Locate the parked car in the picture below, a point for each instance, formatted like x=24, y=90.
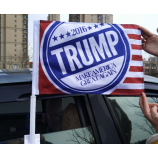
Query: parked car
x=72, y=118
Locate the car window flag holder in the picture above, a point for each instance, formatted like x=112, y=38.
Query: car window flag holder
x=34, y=138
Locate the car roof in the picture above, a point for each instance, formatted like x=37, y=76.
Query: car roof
x=150, y=79
x=18, y=76
x=25, y=75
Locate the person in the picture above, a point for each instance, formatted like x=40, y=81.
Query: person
x=53, y=109
x=150, y=110
x=149, y=41
x=70, y=119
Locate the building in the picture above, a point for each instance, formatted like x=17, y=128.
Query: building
x=153, y=59
x=91, y=18
x=151, y=66
x=13, y=41
x=53, y=17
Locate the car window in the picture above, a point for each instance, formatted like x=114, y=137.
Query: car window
x=13, y=119
x=18, y=107
x=57, y=122
x=135, y=127
x=74, y=136
x=68, y=125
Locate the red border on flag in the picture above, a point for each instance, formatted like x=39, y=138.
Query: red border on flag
x=44, y=84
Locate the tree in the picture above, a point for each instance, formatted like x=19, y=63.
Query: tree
x=24, y=57
x=85, y=135
x=151, y=130
x=9, y=61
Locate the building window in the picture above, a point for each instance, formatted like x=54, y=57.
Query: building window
x=15, y=54
x=24, y=31
x=24, y=17
x=15, y=66
x=24, y=50
x=24, y=36
x=24, y=26
x=15, y=25
x=99, y=17
x=98, y=21
x=91, y=16
x=24, y=41
x=146, y=65
x=15, y=50
x=15, y=16
x=91, y=19
x=15, y=30
x=15, y=45
x=15, y=20
x=24, y=45
x=15, y=59
x=15, y=35
x=15, y=40
x=24, y=21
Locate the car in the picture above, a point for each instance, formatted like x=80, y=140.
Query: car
x=72, y=118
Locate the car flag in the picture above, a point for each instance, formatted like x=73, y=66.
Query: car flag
x=98, y=58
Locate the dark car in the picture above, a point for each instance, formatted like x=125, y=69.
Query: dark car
x=72, y=118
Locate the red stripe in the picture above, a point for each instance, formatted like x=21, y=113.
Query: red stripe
x=127, y=92
x=137, y=57
x=129, y=26
x=133, y=80
x=134, y=36
x=136, y=68
x=134, y=46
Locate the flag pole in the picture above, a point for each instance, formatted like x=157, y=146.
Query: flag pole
x=32, y=118
x=33, y=136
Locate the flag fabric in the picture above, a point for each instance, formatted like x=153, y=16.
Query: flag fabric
x=95, y=58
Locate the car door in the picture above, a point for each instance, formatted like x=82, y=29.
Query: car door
x=131, y=124
x=60, y=119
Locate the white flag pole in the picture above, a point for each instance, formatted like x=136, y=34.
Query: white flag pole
x=34, y=138
x=32, y=118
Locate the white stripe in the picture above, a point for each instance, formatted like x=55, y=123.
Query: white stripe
x=35, y=75
x=136, y=63
x=130, y=86
x=133, y=41
x=132, y=31
x=135, y=74
x=136, y=52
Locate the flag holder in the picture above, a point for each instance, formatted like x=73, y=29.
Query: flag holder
x=34, y=138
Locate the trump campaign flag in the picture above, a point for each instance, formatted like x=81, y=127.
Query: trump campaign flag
x=94, y=58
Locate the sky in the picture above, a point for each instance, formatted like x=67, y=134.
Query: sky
x=32, y=17
x=149, y=21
